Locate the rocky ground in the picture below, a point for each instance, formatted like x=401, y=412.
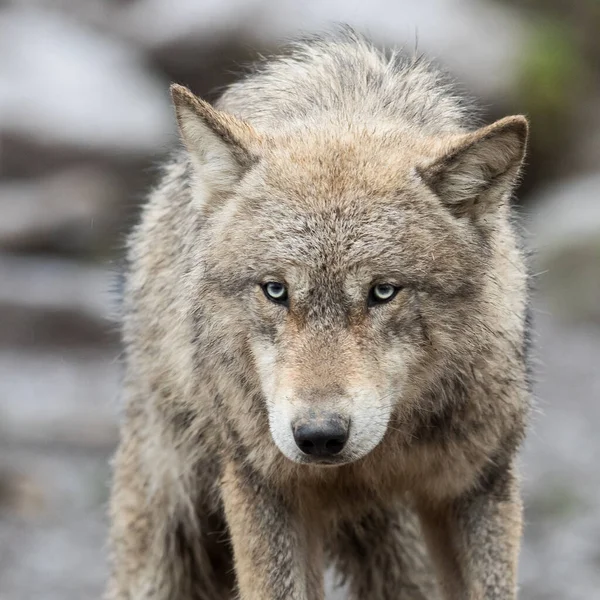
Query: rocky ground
x=84, y=114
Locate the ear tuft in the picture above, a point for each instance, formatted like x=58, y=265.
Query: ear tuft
x=478, y=170
x=219, y=144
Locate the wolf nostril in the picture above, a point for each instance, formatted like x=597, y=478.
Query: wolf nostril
x=305, y=445
x=335, y=445
x=321, y=437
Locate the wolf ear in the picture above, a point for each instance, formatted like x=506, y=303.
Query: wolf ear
x=218, y=143
x=479, y=169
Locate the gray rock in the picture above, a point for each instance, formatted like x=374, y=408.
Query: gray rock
x=54, y=552
x=59, y=372
x=565, y=224
x=56, y=303
x=560, y=465
x=64, y=85
x=64, y=399
x=76, y=211
x=479, y=41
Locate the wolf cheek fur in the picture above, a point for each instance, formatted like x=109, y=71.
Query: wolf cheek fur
x=278, y=416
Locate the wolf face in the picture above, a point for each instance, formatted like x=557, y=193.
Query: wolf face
x=349, y=257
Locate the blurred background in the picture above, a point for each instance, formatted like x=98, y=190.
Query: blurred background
x=85, y=119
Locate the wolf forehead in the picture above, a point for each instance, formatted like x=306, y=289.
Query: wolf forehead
x=344, y=205
x=342, y=163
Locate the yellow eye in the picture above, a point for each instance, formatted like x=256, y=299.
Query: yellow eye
x=382, y=293
x=275, y=292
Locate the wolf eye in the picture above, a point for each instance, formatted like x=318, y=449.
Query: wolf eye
x=275, y=292
x=382, y=293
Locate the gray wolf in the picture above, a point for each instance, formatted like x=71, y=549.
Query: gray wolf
x=325, y=330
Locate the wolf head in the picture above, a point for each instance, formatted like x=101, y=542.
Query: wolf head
x=356, y=259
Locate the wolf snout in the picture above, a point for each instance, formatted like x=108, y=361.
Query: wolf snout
x=321, y=436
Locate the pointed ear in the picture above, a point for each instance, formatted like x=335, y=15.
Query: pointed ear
x=479, y=169
x=218, y=143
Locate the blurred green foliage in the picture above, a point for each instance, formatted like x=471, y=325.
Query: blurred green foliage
x=558, y=79
x=551, y=80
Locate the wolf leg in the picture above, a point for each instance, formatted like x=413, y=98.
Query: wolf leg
x=382, y=556
x=475, y=541
x=276, y=556
x=159, y=552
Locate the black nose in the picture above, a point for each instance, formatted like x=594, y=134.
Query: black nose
x=321, y=437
